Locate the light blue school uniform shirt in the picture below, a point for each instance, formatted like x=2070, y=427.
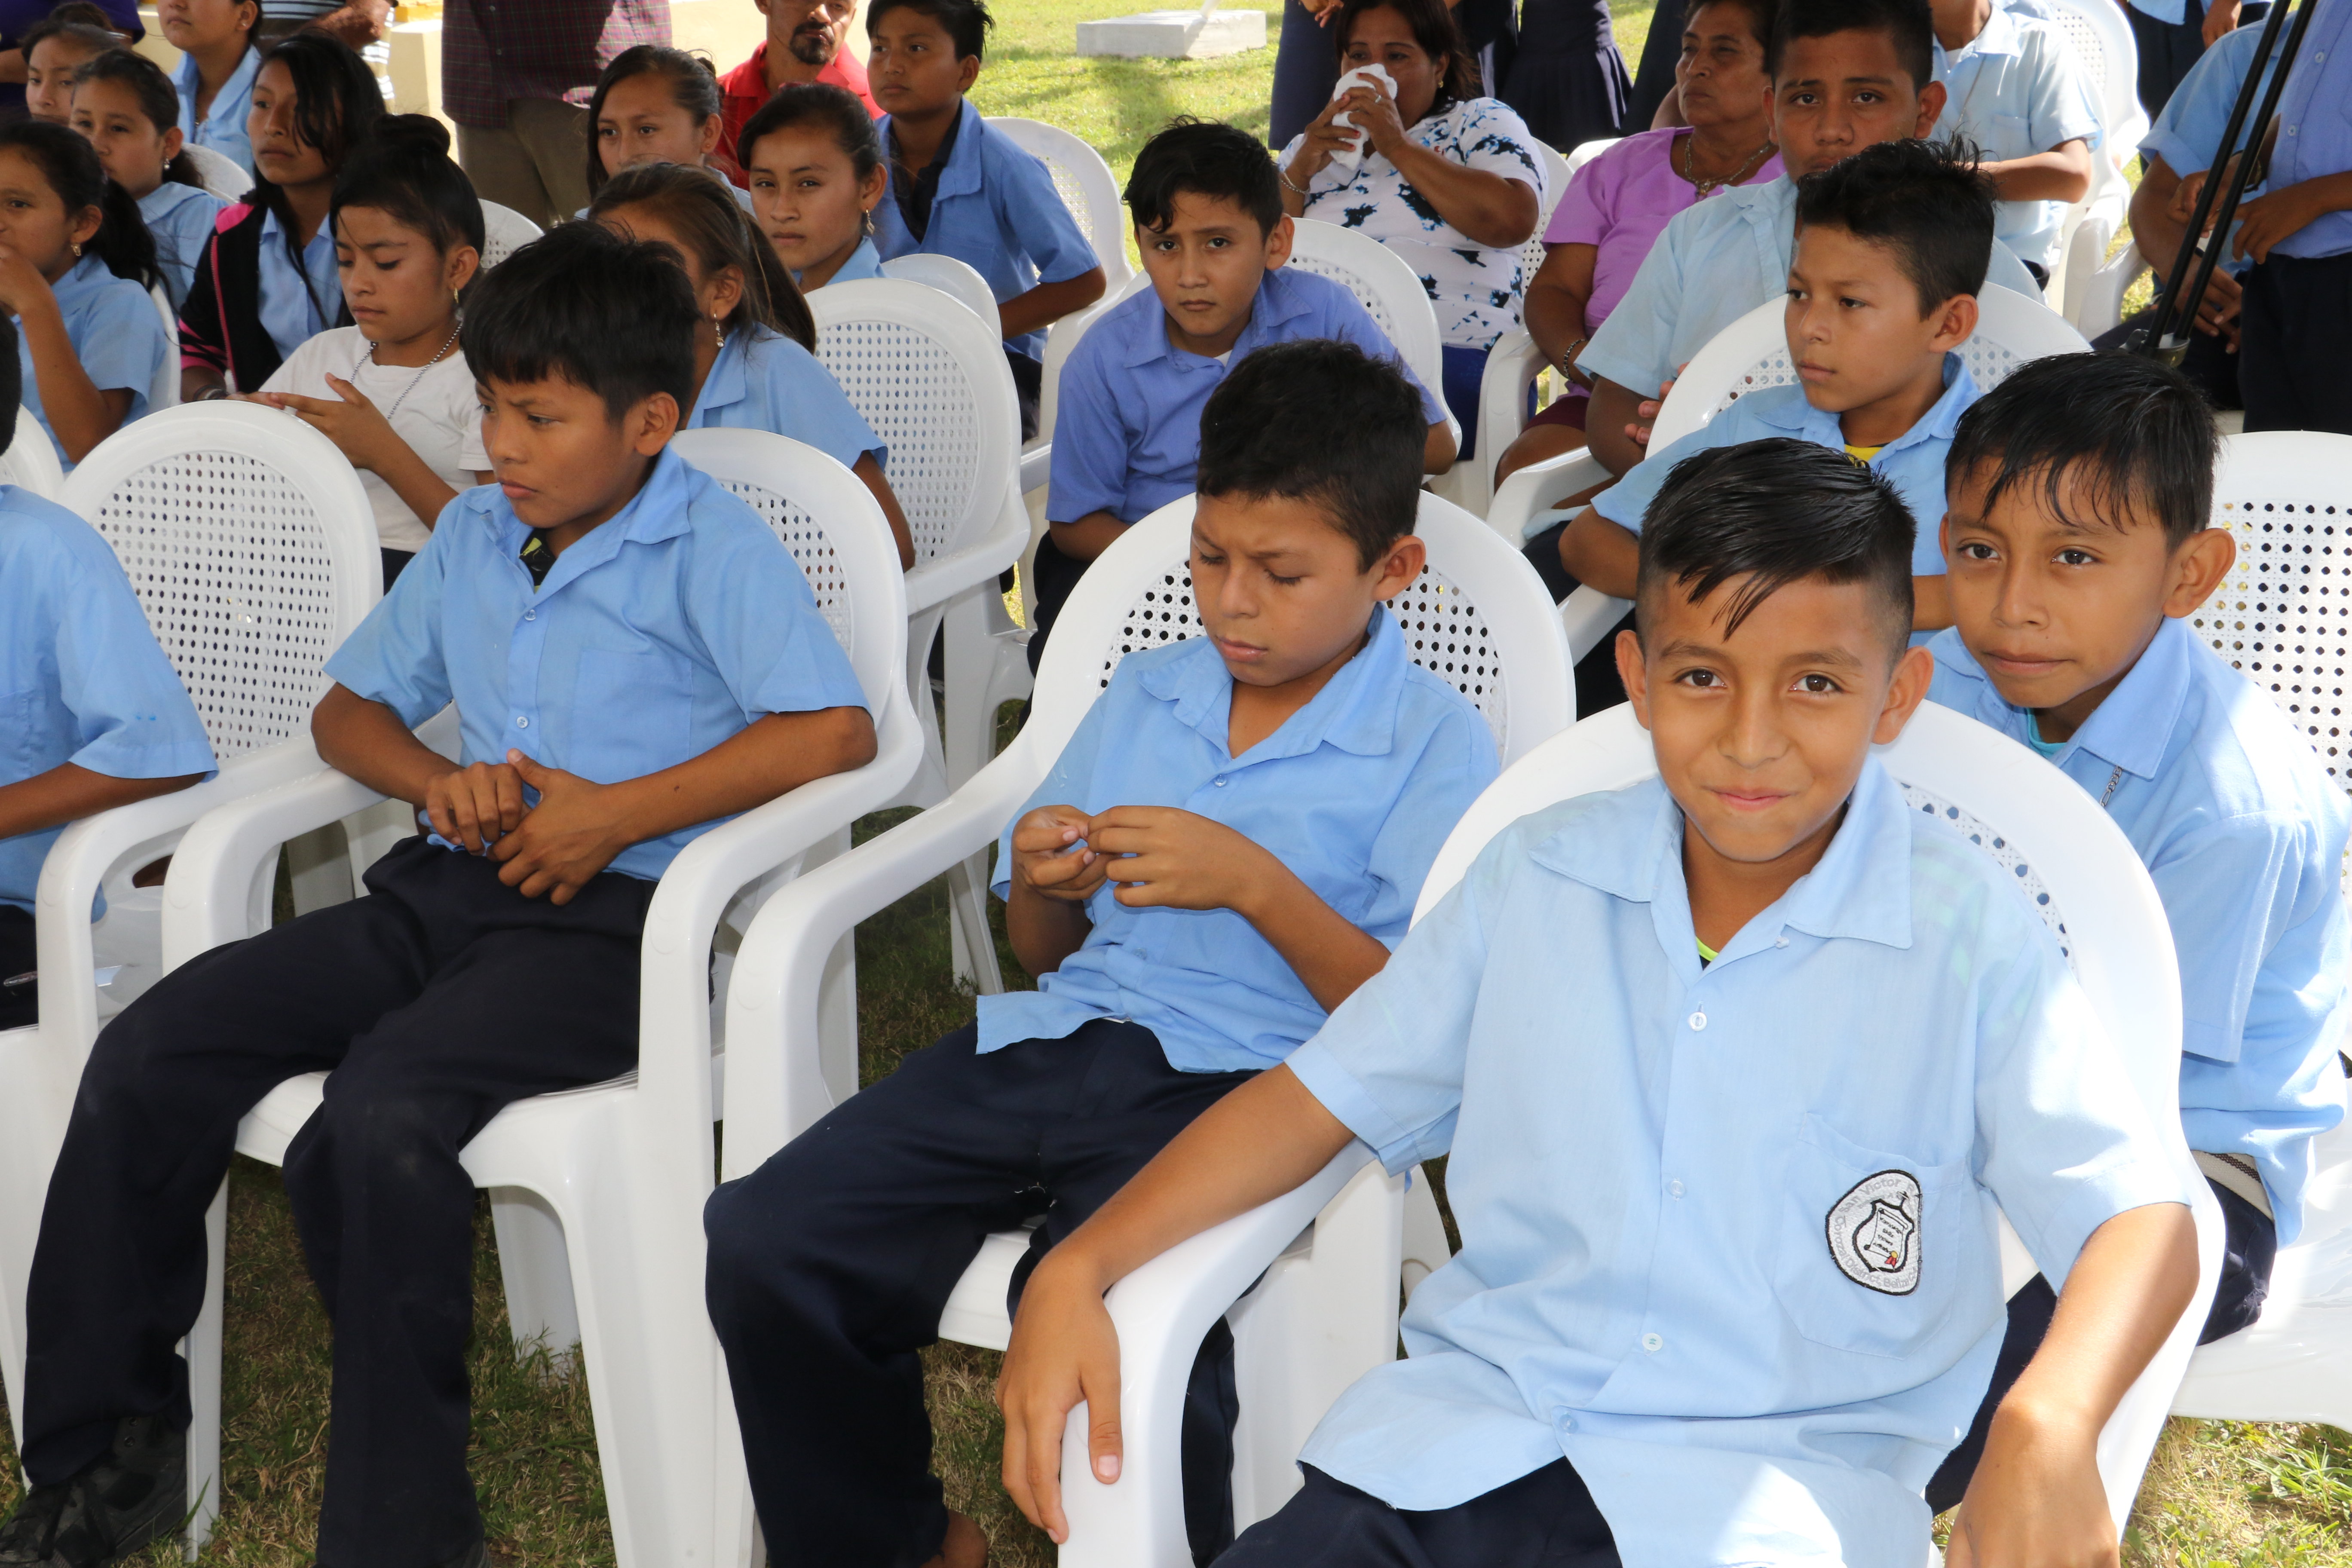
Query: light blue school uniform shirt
x=997, y=212
x=863, y=262
x=294, y=309
x=1727, y=1232
x=1913, y=462
x=1713, y=263
x=1129, y=433
x=2314, y=120
x=180, y=217
x=762, y=380
x=2186, y=132
x=2014, y=89
x=2244, y=835
x=223, y=130
x=1355, y=794
x=116, y=332
x=81, y=680
x=666, y=630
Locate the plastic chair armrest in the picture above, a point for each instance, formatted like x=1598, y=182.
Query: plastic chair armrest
x=1036, y=467
x=1586, y=617
x=1538, y=487
x=1512, y=367
x=942, y=578
x=2102, y=307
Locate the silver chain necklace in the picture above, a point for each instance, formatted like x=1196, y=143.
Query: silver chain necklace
x=446, y=343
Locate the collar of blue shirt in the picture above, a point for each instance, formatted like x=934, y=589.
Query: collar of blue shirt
x=2133, y=728
x=84, y=279
x=960, y=175
x=2000, y=37
x=1802, y=419
x=167, y=198
x=232, y=91
x=1356, y=711
x=1767, y=202
x=1277, y=302
x=657, y=511
x=1861, y=887
x=724, y=386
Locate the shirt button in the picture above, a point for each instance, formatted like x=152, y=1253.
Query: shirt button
x=1653, y=1344
x=1780, y=942
x=1220, y=781
x=1674, y=1189
x=521, y=723
x=1698, y=1020
x=1564, y=1420
x=530, y=615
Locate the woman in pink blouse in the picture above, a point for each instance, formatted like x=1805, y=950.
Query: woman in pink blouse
x=1617, y=203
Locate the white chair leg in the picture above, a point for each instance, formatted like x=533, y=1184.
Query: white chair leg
x=1426, y=1250
x=837, y=1018
x=202, y=1350
x=537, y=1271
x=972, y=944
x=930, y=785
x=372, y=833
x=319, y=865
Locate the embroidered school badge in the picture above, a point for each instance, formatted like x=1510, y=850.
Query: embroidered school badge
x=1873, y=1233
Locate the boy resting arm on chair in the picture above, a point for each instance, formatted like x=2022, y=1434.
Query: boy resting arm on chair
x=1734, y=1066
x=1229, y=843
x=1209, y=221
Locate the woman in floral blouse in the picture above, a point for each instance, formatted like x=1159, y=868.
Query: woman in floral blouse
x=1450, y=181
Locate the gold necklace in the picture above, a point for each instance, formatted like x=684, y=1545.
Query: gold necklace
x=1708, y=187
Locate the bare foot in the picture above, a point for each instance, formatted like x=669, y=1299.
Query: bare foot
x=965, y=1546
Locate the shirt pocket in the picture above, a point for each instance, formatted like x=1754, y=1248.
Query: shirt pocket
x=23, y=736
x=631, y=713
x=2010, y=136
x=1876, y=1249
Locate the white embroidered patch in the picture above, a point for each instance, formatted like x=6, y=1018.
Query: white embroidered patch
x=1873, y=1233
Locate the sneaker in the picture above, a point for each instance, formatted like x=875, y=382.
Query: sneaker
x=29, y=1537
x=137, y=1493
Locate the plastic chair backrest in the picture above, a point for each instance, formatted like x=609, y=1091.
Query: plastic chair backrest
x=1583, y=153
x=932, y=382
x=956, y=279
x=794, y=488
x=31, y=460
x=1086, y=185
x=2041, y=829
x=1387, y=286
x=1477, y=617
x=2102, y=39
x=504, y=232
x=1752, y=353
x=223, y=175
x=253, y=551
x=2280, y=615
x=1556, y=177
x=163, y=391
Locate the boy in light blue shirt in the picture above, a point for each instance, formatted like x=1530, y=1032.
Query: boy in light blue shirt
x=1845, y=74
x=1734, y=1067
x=1882, y=295
x=1230, y=843
x=958, y=188
x=2015, y=91
x=634, y=657
x=1214, y=238
x=2081, y=491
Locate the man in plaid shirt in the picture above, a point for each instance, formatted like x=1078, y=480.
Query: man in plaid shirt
x=517, y=74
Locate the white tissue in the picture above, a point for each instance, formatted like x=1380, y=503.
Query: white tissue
x=1373, y=76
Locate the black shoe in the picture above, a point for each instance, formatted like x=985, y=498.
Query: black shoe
x=135, y=1495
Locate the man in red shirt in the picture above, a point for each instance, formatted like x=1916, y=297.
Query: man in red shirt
x=807, y=41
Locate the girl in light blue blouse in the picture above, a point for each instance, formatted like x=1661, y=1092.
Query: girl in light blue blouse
x=753, y=366
x=815, y=167
x=129, y=113
x=76, y=265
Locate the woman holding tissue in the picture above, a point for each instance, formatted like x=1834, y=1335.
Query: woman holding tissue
x=1407, y=153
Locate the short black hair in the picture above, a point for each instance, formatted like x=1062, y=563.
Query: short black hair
x=1204, y=158
x=404, y=171
x=1923, y=201
x=1359, y=458
x=965, y=21
x=1776, y=511
x=1906, y=23
x=612, y=315
x=11, y=379
x=2132, y=436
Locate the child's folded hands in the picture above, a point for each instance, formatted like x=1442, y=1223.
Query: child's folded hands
x=475, y=805
x=1051, y=857
x=1162, y=856
x=569, y=835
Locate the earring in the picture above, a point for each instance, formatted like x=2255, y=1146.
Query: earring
x=76, y=249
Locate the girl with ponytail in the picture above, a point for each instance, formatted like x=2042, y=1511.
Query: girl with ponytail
x=128, y=109
x=76, y=264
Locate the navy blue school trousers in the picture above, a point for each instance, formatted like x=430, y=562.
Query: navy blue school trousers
x=829, y=1266
x=2297, y=333
x=433, y=1002
x=1546, y=1519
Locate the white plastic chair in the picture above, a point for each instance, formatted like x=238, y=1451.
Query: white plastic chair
x=2102, y=39
x=252, y=549
x=1326, y=1310
x=954, y=278
x=1515, y=361
x=1388, y=288
x=163, y=391
x=504, y=232
x=31, y=461
x=599, y=1190
x=1583, y=153
x=1086, y=185
x=223, y=175
x=2285, y=496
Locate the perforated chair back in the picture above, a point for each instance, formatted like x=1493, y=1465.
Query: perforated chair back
x=1752, y=353
x=957, y=279
x=163, y=391
x=253, y=551
x=504, y=232
x=31, y=460
x=1086, y=185
x=932, y=382
x=1387, y=286
x=1556, y=178
x=2102, y=39
x=223, y=175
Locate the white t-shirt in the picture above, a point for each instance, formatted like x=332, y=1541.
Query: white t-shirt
x=437, y=417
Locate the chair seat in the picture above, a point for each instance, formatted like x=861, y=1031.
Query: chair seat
x=975, y=1312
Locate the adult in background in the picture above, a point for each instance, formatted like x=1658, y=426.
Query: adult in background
x=1448, y=180
x=358, y=23
x=1568, y=81
x=808, y=40
x=517, y=74
x=17, y=19
x=2172, y=35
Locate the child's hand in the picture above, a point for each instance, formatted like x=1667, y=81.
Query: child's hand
x=356, y=426
x=2277, y=216
x=1064, y=1351
x=1161, y=857
x=1647, y=411
x=1048, y=859
x=2036, y=1502
x=570, y=836
x=474, y=807
x=21, y=283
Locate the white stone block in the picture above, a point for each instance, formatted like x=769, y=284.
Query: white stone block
x=1174, y=35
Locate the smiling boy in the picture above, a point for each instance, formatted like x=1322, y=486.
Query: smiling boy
x=1733, y=1066
x=1882, y=291
x=1227, y=847
x=1210, y=225
x=634, y=656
